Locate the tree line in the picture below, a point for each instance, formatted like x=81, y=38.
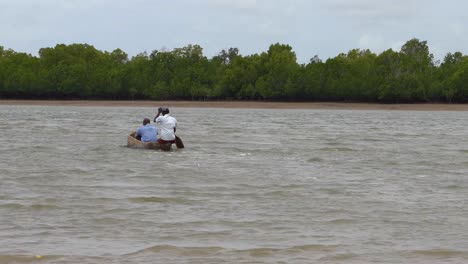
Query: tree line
x=80, y=71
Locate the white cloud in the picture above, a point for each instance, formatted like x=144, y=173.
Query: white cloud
x=458, y=29
x=375, y=8
x=396, y=45
x=373, y=43
x=242, y=5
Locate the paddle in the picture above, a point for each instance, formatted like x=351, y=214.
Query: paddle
x=178, y=142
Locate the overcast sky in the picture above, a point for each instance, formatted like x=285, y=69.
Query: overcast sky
x=312, y=27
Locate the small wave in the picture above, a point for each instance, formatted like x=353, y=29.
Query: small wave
x=277, y=193
x=12, y=206
x=184, y=251
x=288, y=186
x=331, y=191
x=256, y=186
x=79, y=171
x=17, y=259
x=108, y=220
x=295, y=250
x=314, y=247
x=336, y=149
x=340, y=257
x=440, y=253
x=44, y=206
x=26, y=259
x=342, y=221
x=260, y=252
x=41, y=147
x=33, y=206
x=154, y=199
x=315, y=160
x=374, y=140
x=402, y=222
x=454, y=187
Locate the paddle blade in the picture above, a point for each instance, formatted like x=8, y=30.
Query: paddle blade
x=178, y=142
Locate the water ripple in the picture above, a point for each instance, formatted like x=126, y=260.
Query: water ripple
x=330, y=187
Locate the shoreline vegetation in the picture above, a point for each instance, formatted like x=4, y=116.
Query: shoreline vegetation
x=82, y=72
x=242, y=104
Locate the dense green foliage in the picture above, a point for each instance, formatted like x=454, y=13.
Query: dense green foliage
x=80, y=71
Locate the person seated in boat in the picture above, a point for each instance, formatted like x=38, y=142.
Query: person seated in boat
x=147, y=132
x=167, y=125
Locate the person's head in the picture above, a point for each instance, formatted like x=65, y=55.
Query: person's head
x=164, y=110
x=146, y=121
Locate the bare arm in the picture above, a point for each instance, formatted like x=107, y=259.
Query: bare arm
x=159, y=112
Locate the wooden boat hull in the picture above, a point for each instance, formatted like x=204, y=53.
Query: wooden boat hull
x=132, y=142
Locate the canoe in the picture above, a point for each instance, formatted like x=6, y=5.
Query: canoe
x=132, y=142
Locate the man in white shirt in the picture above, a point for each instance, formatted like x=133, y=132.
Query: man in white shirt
x=167, y=124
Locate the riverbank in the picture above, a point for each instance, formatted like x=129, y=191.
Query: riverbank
x=245, y=104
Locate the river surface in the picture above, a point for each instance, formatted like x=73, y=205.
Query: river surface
x=251, y=186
